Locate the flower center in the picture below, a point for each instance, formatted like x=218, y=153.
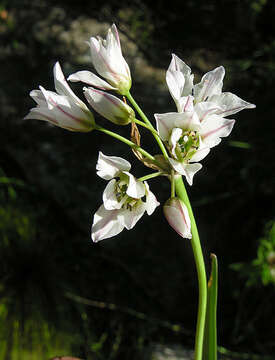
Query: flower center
x=128, y=202
x=187, y=145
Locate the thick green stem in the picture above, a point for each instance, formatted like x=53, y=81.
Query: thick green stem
x=200, y=266
x=126, y=141
x=147, y=121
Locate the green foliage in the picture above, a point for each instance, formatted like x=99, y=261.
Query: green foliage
x=261, y=269
x=210, y=350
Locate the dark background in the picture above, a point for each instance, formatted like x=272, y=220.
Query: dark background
x=49, y=189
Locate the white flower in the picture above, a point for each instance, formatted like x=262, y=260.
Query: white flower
x=109, y=62
x=63, y=109
x=180, y=83
x=123, y=203
x=184, y=135
x=109, y=106
x=200, y=122
x=177, y=216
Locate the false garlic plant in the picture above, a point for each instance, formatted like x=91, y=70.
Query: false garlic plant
x=185, y=137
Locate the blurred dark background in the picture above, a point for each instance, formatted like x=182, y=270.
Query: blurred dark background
x=62, y=294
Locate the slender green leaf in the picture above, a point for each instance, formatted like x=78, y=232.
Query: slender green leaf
x=210, y=333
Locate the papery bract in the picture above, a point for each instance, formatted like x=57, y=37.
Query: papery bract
x=123, y=203
x=109, y=106
x=109, y=62
x=177, y=216
x=63, y=109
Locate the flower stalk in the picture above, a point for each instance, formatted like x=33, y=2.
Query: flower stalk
x=150, y=176
x=200, y=266
x=126, y=141
x=148, y=127
x=147, y=121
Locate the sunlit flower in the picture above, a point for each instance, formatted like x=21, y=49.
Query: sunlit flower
x=180, y=83
x=200, y=122
x=177, y=216
x=189, y=136
x=123, y=203
x=109, y=106
x=109, y=62
x=63, y=108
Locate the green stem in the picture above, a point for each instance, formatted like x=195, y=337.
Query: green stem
x=200, y=266
x=126, y=141
x=147, y=121
x=173, y=191
x=141, y=123
x=150, y=176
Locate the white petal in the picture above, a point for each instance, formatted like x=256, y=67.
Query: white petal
x=175, y=81
x=187, y=121
x=65, y=112
x=165, y=124
x=89, y=78
x=62, y=86
x=178, y=166
x=109, y=196
x=211, y=84
x=230, y=104
x=187, y=170
x=53, y=99
x=191, y=170
x=109, y=167
x=38, y=97
x=114, y=32
x=185, y=103
x=179, y=66
x=167, y=121
x=131, y=217
x=213, y=128
x=177, y=216
x=107, y=223
x=206, y=108
x=200, y=154
x=99, y=57
x=136, y=188
x=117, y=60
x=174, y=138
x=109, y=106
x=179, y=81
x=151, y=201
x=41, y=114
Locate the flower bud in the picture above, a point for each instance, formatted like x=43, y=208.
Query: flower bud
x=109, y=63
x=176, y=214
x=109, y=106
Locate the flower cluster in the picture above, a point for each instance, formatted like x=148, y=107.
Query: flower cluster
x=185, y=136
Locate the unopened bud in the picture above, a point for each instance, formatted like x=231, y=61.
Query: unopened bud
x=109, y=106
x=177, y=216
